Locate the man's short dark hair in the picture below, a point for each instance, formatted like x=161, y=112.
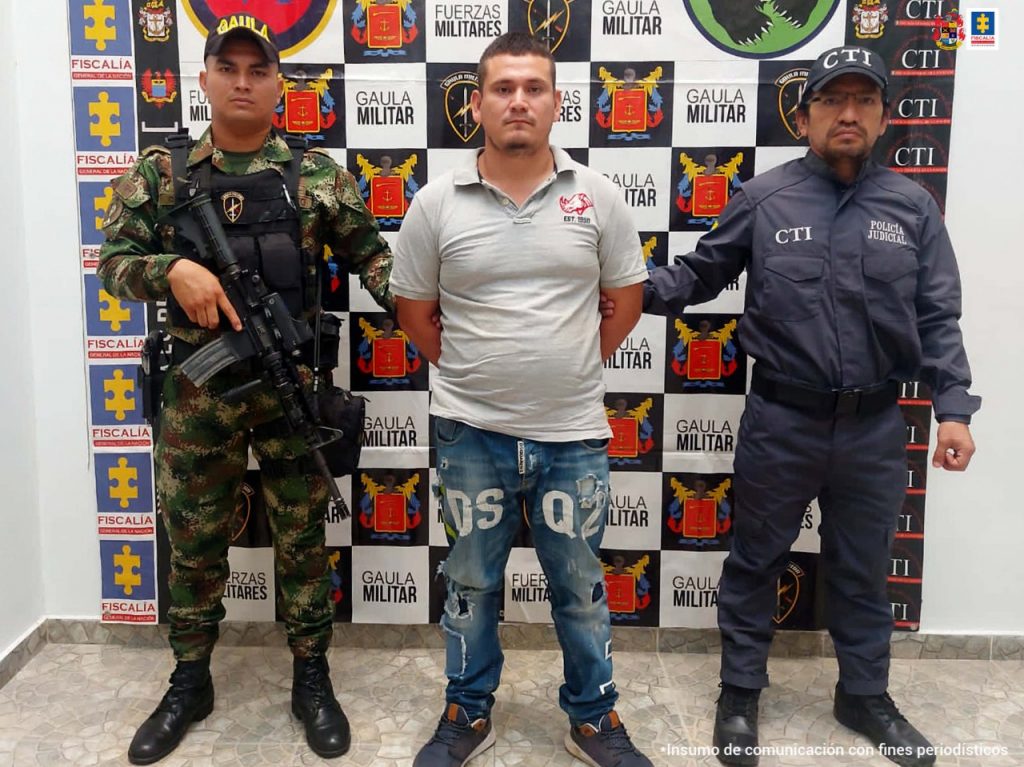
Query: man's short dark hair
x=514, y=44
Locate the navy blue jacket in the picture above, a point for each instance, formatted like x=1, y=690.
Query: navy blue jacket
x=846, y=285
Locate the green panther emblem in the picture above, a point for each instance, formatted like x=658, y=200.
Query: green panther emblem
x=760, y=28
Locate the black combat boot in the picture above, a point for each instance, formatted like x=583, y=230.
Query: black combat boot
x=736, y=726
x=314, y=704
x=877, y=717
x=190, y=699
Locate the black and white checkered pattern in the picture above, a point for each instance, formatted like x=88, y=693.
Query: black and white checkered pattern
x=658, y=96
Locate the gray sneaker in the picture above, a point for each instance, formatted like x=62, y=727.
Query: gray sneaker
x=456, y=740
x=605, y=744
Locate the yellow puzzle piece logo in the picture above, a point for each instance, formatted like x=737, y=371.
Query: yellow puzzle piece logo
x=101, y=204
x=113, y=311
x=119, y=478
x=104, y=110
x=100, y=31
x=118, y=388
x=125, y=564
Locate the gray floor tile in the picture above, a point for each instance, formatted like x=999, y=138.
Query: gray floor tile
x=80, y=704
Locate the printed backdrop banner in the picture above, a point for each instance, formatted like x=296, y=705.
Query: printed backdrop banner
x=678, y=102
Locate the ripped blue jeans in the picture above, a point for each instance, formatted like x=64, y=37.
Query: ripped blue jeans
x=486, y=480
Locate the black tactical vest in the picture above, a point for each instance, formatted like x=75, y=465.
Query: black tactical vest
x=260, y=219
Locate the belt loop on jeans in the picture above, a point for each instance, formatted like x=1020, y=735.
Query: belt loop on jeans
x=864, y=400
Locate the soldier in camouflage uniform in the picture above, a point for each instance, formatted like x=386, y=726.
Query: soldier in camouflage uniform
x=202, y=443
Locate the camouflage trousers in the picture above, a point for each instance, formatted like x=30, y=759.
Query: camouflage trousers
x=201, y=457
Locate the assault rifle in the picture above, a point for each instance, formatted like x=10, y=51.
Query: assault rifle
x=269, y=333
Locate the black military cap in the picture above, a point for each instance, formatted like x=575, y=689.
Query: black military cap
x=242, y=23
x=845, y=60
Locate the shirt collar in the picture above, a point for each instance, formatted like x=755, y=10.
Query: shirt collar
x=468, y=173
x=274, y=148
x=819, y=167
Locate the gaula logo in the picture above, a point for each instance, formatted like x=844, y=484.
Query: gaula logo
x=387, y=189
x=390, y=510
x=386, y=353
x=788, y=592
x=647, y=248
x=632, y=432
x=296, y=23
x=704, y=190
x=336, y=590
x=384, y=27
x=703, y=357
x=307, y=106
x=458, y=87
x=549, y=21
x=629, y=107
x=244, y=21
x=232, y=203
x=699, y=515
x=243, y=511
x=789, y=85
x=760, y=28
x=629, y=590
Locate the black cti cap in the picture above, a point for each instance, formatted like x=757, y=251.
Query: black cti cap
x=845, y=60
x=242, y=23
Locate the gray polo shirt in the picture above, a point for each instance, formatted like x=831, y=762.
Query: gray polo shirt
x=518, y=289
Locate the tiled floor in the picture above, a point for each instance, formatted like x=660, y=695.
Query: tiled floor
x=80, y=704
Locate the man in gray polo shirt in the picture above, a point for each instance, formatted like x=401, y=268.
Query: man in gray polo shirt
x=513, y=248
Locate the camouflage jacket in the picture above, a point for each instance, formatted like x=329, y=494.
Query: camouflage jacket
x=138, y=251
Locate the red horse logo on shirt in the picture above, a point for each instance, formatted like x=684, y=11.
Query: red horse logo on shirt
x=577, y=204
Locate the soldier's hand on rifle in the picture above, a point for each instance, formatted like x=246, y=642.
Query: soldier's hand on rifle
x=198, y=291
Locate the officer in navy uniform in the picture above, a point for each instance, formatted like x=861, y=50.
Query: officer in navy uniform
x=852, y=286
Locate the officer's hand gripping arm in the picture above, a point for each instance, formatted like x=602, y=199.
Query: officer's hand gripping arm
x=720, y=257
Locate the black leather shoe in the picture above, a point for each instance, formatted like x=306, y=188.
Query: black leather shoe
x=736, y=726
x=190, y=699
x=314, y=704
x=877, y=717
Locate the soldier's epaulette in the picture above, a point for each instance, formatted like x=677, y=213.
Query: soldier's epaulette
x=134, y=186
x=319, y=158
x=155, y=149
x=158, y=158
x=317, y=161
